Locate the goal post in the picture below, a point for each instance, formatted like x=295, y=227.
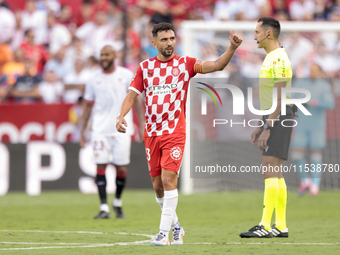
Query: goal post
x=196, y=36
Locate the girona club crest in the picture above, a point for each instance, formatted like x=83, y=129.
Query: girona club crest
x=176, y=153
x=175, y=71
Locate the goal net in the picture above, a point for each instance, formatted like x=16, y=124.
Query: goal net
x=218, y=138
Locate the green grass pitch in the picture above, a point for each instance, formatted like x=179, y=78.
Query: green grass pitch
x=62, y=223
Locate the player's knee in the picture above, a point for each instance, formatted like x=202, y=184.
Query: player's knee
x=169, y=183
x=159, y=190
x=121, y=169
x=316, y=157
x=101, y=166
x=297, y=155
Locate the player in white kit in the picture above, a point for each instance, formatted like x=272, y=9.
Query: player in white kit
x=104, y=92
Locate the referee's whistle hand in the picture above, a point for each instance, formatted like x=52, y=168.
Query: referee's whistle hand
x=262, y=142
x=255, y=136
x=121, y=125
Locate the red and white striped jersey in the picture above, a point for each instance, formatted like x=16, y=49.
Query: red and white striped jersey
x=166, y=85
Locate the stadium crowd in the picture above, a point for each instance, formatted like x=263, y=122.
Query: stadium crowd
x=48, y=51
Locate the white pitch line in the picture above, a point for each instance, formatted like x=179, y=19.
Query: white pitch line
x=78, y=246
x=144, y=242
x=60, y=232
x=46, y=243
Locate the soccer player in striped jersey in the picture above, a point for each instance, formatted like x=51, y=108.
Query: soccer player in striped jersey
x=165, y=79
x=273, y=138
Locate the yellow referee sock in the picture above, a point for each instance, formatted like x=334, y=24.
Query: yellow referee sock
x=271, y=193
x=280, y=207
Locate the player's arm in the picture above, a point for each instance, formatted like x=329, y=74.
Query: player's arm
x=74, y=86
x=222, y=61
x=29, y=93
x=138, y=105
x=87, y=109
x=128, y=102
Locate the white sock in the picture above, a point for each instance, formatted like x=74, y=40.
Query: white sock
x=169, y=210
x=117, y=202
x=160, y=201
x=174, y=223
x=104, y=207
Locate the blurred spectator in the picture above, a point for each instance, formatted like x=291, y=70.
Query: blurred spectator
x=251, y=66
x=282, y=16
x=14, y=68
x=320, y=11
x=298, y=47
x=138, y=18
x=302, y=10
x=35, y=53
x=36, y=20
x=57, y=35
x=133, y=44
x=51, y=89
x=265, y=9
x=60, y=65
x=75, y=83
x=94, y=33
x=92, y=66
x=280, y=11
x=3, y=87
x=7, y=24
x=149, y=49
x=19, y=33
x=335, y=14
x=159, y=10
x=78, y=50
x=5, y=53
x=4, y=4
x=251, y=9
x=67, y=19
x=208, y=13
x=85, y=13
x=327, y=61
x=48, y=6
x=25, y=90
x=99, y=6
x=115, y=14
x=227, y=9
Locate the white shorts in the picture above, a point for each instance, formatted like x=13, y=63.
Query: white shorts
x=111, y=149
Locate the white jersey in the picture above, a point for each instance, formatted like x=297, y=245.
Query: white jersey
x=108, y=91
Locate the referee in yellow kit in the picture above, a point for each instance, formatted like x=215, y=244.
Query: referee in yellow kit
x=272, y=138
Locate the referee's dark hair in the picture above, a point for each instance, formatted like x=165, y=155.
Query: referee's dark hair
x=163, y=26
x=271, y=23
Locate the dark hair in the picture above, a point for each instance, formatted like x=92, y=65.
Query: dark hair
x=271, y=23
x=28, y=31
x=162, y=27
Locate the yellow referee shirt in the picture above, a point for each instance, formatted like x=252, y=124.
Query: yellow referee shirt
x=276, y=68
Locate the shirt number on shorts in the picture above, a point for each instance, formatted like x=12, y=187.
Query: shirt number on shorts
x=98, y=146
x=148, y=156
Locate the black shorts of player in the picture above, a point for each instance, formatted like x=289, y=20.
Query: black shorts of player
x=279, y=140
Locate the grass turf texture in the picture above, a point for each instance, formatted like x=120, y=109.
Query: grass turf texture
x=215, y=218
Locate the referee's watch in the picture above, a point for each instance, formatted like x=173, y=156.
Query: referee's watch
x=266, y=127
